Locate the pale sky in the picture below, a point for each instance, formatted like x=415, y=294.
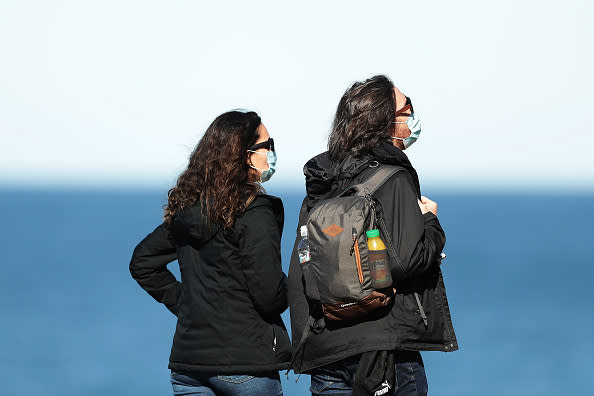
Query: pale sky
x=117, y=93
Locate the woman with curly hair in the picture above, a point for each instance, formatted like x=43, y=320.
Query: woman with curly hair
x=225, y=234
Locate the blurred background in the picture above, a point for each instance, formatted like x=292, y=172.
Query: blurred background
x=102, y=102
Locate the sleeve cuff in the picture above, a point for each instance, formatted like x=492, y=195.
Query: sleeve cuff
x=429, y=216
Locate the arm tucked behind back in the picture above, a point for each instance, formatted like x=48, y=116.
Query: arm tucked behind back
x=149, y=267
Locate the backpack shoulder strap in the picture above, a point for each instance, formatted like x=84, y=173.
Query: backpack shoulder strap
x=377, y=179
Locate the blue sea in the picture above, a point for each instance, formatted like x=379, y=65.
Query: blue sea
x=519, y=273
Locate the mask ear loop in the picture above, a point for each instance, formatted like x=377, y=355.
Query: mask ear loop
x=403, y=122
x=252, y=165
x=409, y=131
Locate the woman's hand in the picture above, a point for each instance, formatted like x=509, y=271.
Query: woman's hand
x=427, y=205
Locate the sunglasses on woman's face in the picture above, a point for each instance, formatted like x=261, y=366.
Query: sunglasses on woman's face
x=268, y=145
x=407, y=106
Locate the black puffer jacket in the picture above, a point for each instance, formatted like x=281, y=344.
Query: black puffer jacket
x=418, y=240
x=232, y=289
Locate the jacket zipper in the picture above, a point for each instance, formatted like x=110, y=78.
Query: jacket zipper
x=421, y=310
x=447, y=323
x=388, y=238
x=273, y=342
x=393, y=251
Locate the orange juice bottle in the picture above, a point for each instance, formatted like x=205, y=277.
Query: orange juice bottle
x=378, y=261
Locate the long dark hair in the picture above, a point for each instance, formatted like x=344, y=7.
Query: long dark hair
x=218, y=176
x=364, y=118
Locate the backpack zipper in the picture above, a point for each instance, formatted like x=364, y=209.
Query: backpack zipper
x=355, y=250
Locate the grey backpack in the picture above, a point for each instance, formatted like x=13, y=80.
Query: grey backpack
x=338, y=274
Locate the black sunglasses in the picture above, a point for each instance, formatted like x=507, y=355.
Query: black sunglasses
x=407, y=106
x=268, y=145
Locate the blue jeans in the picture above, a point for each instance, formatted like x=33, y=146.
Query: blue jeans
x=337, y=378
x=225, y=385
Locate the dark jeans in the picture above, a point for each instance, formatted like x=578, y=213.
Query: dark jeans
x=225, y=385
x=337, y=378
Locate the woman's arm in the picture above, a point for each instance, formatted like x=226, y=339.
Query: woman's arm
x=149, y=267
x=261, y=260
x=417, y=238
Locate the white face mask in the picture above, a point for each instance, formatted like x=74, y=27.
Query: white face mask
x=266, y=174
x=414, y=125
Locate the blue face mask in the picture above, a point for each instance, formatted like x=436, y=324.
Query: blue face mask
x=414, y=125
x=266, y=174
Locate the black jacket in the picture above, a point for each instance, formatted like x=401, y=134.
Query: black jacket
x=232, y=289
x=418, y=240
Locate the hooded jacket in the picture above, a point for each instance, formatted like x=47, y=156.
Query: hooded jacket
x=418, y=240
x=232, y=289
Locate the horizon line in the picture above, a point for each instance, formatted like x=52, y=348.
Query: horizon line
x=470, y=186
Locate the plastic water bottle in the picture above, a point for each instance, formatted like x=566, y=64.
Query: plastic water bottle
x=311, y=285
x=378, y=261
x=303, y=247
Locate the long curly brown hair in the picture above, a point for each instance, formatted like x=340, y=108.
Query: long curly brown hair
x=364, y=118
x=218, y=176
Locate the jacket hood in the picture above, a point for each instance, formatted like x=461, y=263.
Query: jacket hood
x=325, y=178
x=190, y=226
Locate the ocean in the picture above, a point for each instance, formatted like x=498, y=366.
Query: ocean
x=518, y=272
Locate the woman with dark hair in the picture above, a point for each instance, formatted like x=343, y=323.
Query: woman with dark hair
x=379, y=355
x=225, y=234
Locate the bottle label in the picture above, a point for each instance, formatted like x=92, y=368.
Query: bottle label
x=380, y=270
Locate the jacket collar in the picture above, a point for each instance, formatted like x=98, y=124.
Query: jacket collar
x=325, y=178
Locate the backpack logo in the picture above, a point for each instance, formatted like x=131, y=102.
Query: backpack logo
x=333, y=230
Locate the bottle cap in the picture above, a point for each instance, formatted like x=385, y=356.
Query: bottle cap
x=303, y=231
x=372, y=233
